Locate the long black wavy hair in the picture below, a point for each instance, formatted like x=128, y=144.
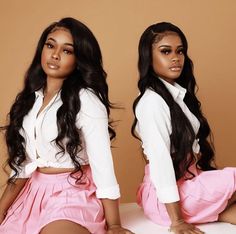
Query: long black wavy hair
x=183, y=135
x=88, y=74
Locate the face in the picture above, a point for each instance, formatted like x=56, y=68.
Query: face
x=58, y=58
x=168, y=57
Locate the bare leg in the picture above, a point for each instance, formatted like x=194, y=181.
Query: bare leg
x=62, y=227
x=229, y=214
x=232, y=200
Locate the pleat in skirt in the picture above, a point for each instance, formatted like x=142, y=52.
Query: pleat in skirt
x=50, y=197
x=202, y=198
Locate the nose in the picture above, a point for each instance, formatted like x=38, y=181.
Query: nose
x=175, y=58
x=55, y=55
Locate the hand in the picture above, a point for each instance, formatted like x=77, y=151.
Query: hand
x=182, y=227
x=117, y=229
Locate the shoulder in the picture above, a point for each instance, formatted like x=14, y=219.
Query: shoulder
x=91, y=105
x=151, y=101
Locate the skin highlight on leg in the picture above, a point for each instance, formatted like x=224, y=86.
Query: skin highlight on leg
x=62, y=227
x=232, y=200
x=228, y=215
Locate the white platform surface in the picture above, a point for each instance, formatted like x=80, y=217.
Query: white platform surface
x=132, y=217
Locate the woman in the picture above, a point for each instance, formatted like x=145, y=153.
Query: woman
x=181, y=186
x=58, y=141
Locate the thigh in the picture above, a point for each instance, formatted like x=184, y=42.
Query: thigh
x=62, y=227
x=232, y=200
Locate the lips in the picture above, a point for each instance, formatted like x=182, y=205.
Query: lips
x=53, y=65
x=176, y=68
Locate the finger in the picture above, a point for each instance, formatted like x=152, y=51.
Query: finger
x=129, y=232
x=189, y=232
x=199, y=231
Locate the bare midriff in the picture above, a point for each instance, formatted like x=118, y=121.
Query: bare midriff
x=53, y=170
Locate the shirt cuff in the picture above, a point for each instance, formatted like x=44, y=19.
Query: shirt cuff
x=168, y=194
x=110, y=192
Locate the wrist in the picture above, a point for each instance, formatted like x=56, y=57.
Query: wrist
x=177, y=222
x=113, y=226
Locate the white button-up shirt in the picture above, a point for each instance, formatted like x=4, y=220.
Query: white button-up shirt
x=154, y=129
x=40, y=131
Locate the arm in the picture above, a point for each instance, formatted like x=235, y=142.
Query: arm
x=111, y=208
x=154, y=128
x=112, y=216
x=178, y=225
x=93, y=122
x=9, y=195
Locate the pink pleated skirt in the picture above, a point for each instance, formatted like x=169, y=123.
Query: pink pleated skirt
x=202, y=198
x=50, y=197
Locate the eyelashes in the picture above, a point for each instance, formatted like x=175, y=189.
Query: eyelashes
x=168, y=51
x=165, y=51
x=65, y=50
x=49, y=45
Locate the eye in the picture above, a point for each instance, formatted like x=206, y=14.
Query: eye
x=67, y=51
x=180, y=51
x=165, y=51
x=49, y=45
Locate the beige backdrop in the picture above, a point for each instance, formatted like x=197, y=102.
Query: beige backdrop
x=208, y=25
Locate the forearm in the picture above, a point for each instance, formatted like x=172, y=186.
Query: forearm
x=111, y=209
x=178, y=224
x=10, y=194
x=174, y=212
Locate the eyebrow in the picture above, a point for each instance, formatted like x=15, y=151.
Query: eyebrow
x=69, y=44
x=168, y=46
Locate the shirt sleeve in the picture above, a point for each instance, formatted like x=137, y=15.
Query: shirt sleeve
x=93, y=123
x=154, y=128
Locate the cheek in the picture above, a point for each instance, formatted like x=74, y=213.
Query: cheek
x=44, y=56
x=155, y=61
x=164, y=61
x=70, y=64
x=159, y=64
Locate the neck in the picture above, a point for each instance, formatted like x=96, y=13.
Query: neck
x=53, y=86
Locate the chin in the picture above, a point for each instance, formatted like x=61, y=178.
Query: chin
x=174, y=76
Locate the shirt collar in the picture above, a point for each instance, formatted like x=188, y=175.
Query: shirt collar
x=176, y=90
x=39, y=93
